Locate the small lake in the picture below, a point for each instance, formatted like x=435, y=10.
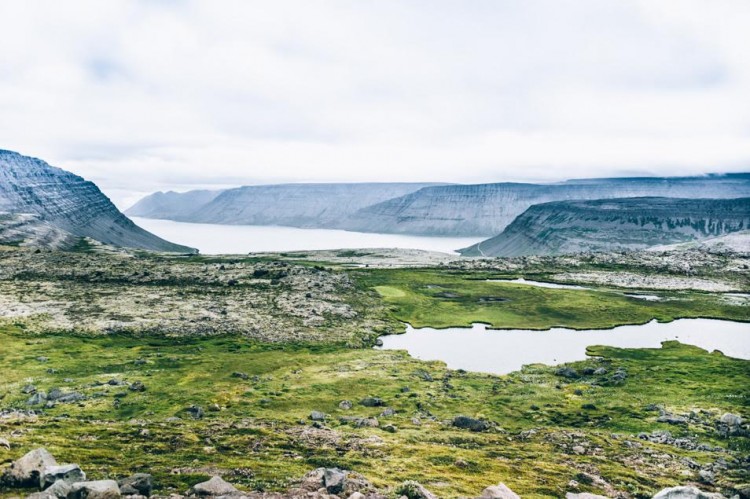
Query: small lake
x=503, y=351
x=213, y=239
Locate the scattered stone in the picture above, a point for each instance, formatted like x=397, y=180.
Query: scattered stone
x=216, y=486
x=27, y=471
x=707, y=476
x=4, y=443
x=28, y=389
x=390, y=428
x=686, y=493
x=423, y=375
x=414, y=490
x=672, y=419
x=99, y=489
x=137, y=386
x=58, y=490
x=372, y=402
x=240, y=375
x=499, y=491
x=71, y=397
x=317, y=416
x=139, y=484
x=584, y=495
x=731, y=419
x=600, y=371
x=115, y=382
x=467, y=423
x=567, y=372
x=388, y=412
x=195, y=411
x=334, y=480
x=37, y=399
x=345, y=405
x=70, y=473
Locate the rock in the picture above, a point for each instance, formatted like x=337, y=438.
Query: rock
x=27, y=471
x=672, y=419
x=240, y=375
x=372, y=402
x=115, y=382
x=4, y=443
x=744, y=492
x=357, y=495
x=390, y=428
x=137, y=386
x=100, y=489
x=216, y=486
x=567, y=372
x=600, y=371
x=414, y=490
x=139, y=484
x=584, y=495
x=28, y=389
x=70, y=398
x=195, y=411
x=499, y=491
x=317, y=416
x=58, y=490
x=388, y=412
x=467, y=423
x=37, y=399
x=731, y=419
x=707, y=476
x=70, y=473
x=345, y=405
x=334, y=480
x=54, y=394
x=686, y=493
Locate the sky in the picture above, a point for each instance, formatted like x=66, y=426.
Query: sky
x=147, y=95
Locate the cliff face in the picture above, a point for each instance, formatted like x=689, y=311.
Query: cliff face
x=69, y=203
x=294, y=205
x=421, y=209
x=616, y=224
x=486, y=209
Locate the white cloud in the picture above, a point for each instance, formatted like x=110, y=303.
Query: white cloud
x=146, y=95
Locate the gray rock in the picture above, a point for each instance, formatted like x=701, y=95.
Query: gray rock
x=317, y=416
x=345, y=405
x=71, y=397
x=37, y=399
x=684, y=492
x=414, y=490
x=137, y=386
x=216, y=486
x=388, y=412
x=467, y=423
x=195, y=411
x=672, y=419
x=732, y=420
x=139, y=484
x=334, y=480
x=372, y=402
x=584, y=495
x=567, y=372
x=70, y=473
x=99, y=489
x=4, y=443
x=499, y=491
x=28, y=389
x=707, y=476
x=58, y=490
x=27, y=471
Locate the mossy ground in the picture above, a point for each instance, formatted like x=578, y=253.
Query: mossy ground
x=258, y=434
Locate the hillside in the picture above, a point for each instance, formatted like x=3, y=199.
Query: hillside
x=564, y=227
x=61, y=201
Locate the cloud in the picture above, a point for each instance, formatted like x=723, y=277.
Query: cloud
x=146, y=95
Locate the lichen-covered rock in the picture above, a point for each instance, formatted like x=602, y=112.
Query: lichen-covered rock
x=70, y=473
x=467, y=423
x=58, y=490
x=499, y=491
x=334, y=480
x=216, y=486
x=414, y=490
x=583, y=495
x=684, y=492
x=99, y=489
x=138, y=484
x=27, y=471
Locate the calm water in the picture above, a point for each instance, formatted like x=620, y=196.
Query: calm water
x=504, y=351
x=216, y=239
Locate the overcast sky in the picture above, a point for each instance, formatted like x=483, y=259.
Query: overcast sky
x=152, y=95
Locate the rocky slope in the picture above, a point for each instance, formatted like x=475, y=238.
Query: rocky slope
x=486, y=209
x=565, y=227
x=61, y=201
x=294, y=205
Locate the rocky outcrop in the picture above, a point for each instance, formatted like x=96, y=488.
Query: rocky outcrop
x=567, y=227
x=63, y=204
x=686, y=493
x=27, y=471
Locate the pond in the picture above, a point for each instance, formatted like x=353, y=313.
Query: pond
x=503, y=351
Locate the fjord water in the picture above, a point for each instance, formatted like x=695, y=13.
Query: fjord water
x=503, y=351
x=215, y=239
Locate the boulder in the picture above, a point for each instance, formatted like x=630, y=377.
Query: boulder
x=70, y=473
x=467, y=423
x=567, y=372
x=317, y=416
x=4, y=443
x=414, y=490
x=216, y=486
x=58, y=490
x=372, y=402
x=27, y=471
x=37, y=399
x=139, y=484
x=100, y=489
x=583, y=495
x=685, y=492
x=499, y=491
x=195, y=411
x=345, y=405
x=334, y=480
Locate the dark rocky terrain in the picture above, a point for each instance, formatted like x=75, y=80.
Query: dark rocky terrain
x=566, y=227
x=61, y=203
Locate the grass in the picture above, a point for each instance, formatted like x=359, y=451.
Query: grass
x=438, y=298
x=260, y=438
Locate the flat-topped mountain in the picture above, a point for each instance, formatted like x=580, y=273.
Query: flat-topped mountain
x=63, y=203
x=419, y=209
x=293, y=205
x=564, y=227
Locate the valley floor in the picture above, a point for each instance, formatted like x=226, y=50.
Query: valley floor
x=259, y=369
